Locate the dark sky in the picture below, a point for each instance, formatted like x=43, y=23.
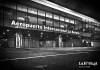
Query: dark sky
x=86, y=7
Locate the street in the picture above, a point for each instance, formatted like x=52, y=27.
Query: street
x=44, y=59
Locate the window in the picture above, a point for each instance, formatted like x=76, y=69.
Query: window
x=56, y=17
x=41, y=21
x=78, y=25
x=41, y=13
x=66, y=26
x=89, y=26
x=49, y=22
x=72, y=21
x=62, y=24
x=32, y=19
x=97, y=24
x=21, y=16
x=61, y=18
x=56, y=23
x=33, y=11
x=21, y=8
x=10, y=5
x=97, y=28
x=84, y=26
x=9, y=13
x=66, y=20
x=76, y=22
x=7, y=22
x=49, y=15
x=70, y=27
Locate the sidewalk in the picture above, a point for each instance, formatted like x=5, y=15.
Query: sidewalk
x=66, y=48
x=53, y=48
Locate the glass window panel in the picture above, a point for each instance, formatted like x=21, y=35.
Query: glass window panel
x=66, y=20
x=21, y=16
x=70, y=27
x=41, y=20
x=49, y=22
x=56, y=17
x=97, y=24
x=97, y=28
x=87, y=25
x=62, y=24
x=72, y=21
x=33, y=11
x=94, y=23
x=32, y=19
x=49, y=15
x=22, y=8
x=66, y=25
x=75, y=22
x=84, y=26
x=10, y=5
x=9, y=13
x=56, y=23
x=7, y=22
x=78, y=25
x=61, y=18
x=41, y=13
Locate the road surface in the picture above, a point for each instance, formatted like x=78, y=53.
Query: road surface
x=49, y=59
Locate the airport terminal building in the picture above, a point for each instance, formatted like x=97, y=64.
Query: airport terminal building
x=41, y=23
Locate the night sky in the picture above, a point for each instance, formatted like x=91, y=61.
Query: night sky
x=86, y=7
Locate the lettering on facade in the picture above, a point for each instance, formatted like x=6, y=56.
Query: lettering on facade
x=74, y=32
x=25, y=25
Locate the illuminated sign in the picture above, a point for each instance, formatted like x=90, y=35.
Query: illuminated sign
x=24, y=25
x=85, y=34
x=74, y=32
x=40, y=27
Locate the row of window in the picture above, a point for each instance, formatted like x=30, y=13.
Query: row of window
x=39, y=12
x=10, y=13
x=22, y=16
x=93, y=23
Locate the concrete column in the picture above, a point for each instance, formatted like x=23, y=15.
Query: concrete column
x=60, y=41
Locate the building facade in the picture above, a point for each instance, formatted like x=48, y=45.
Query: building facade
x=40, y=23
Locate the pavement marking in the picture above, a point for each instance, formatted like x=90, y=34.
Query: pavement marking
x=41, y=56
x=84, y=50
x=41, y=66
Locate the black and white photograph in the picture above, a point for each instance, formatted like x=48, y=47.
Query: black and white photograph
x=49, y=35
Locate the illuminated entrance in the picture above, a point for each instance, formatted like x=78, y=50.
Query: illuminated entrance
x=18, y=40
